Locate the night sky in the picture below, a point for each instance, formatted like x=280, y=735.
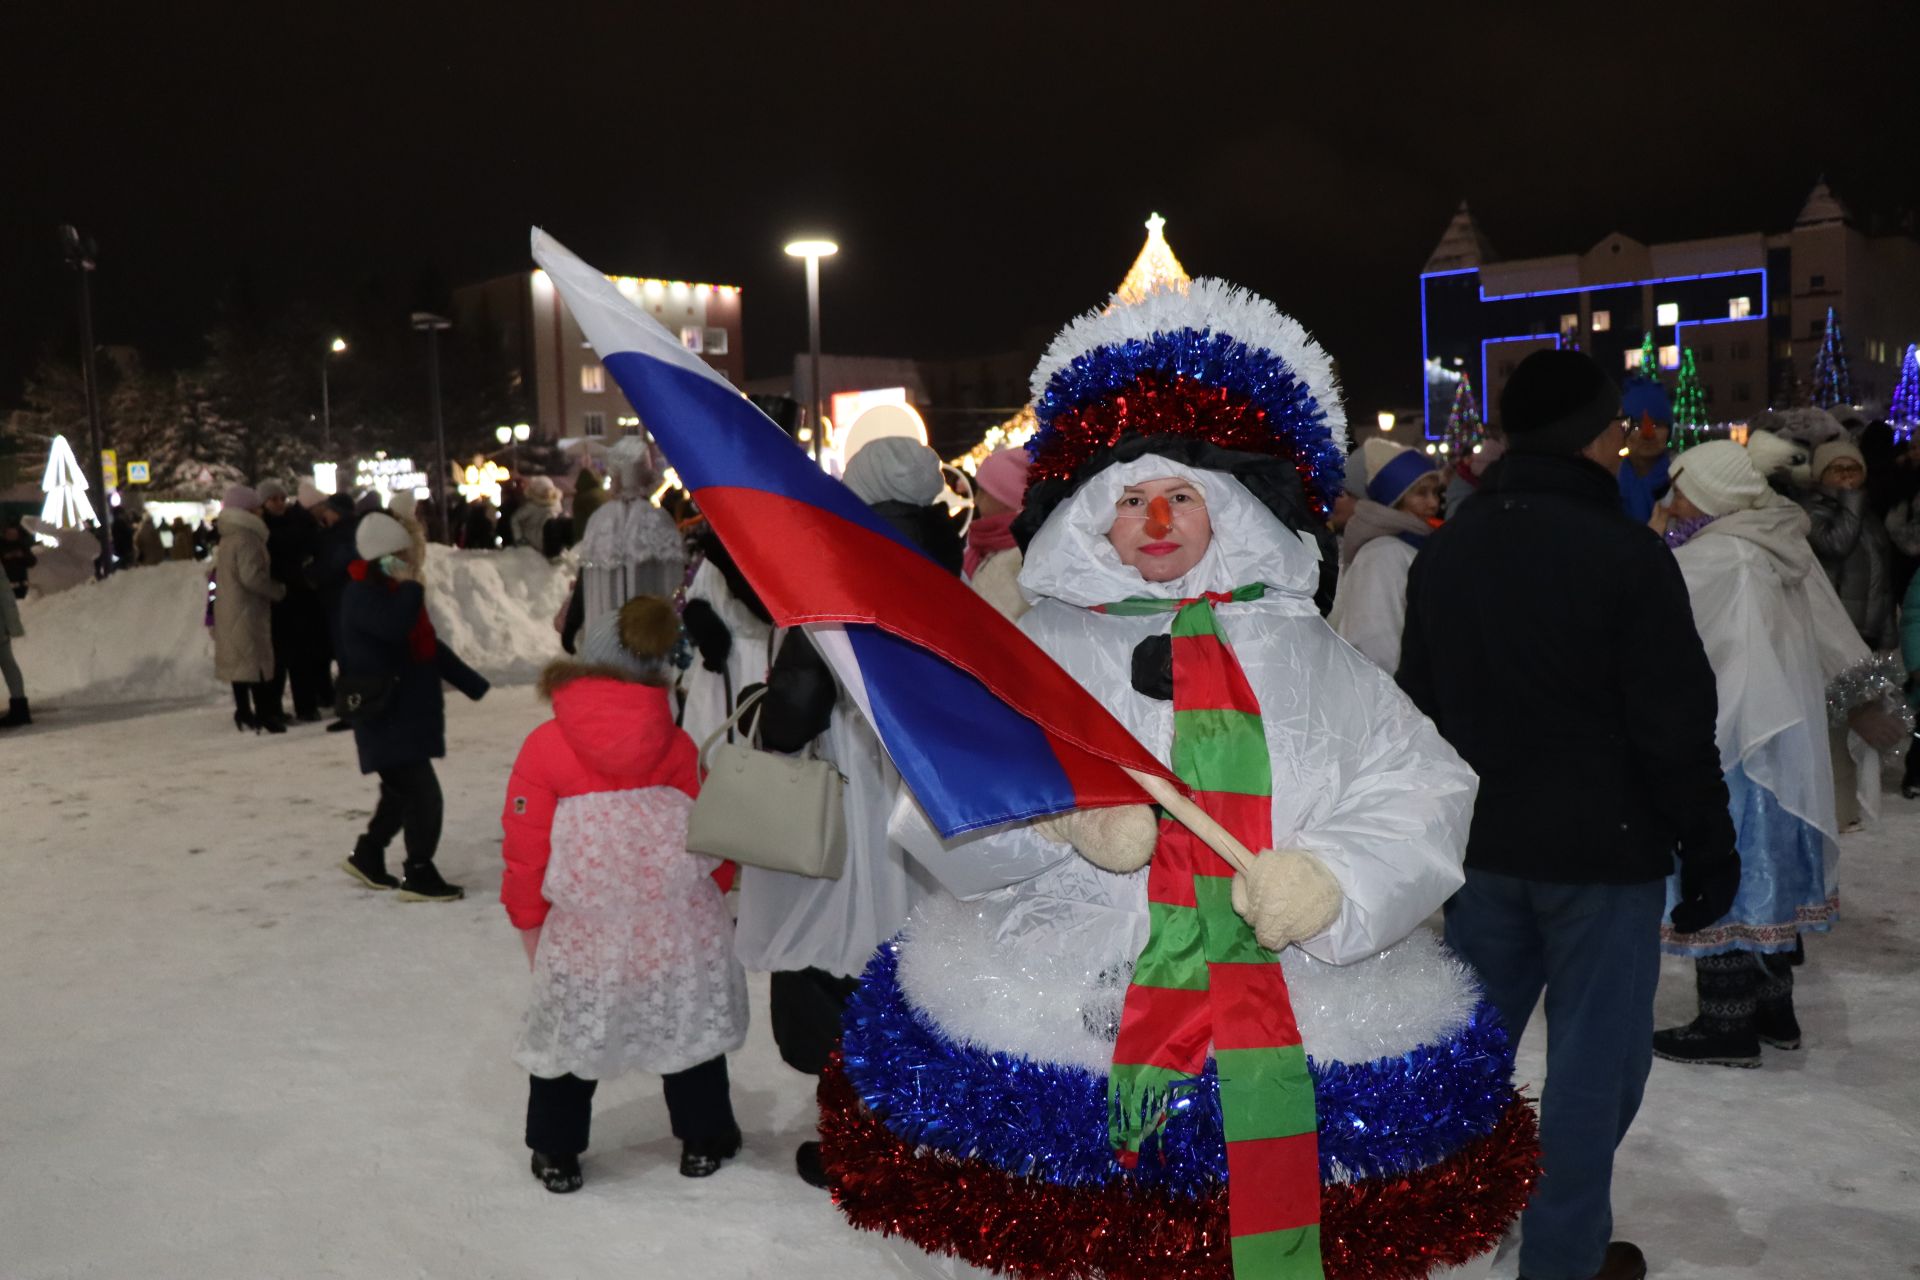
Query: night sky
x=985, y=167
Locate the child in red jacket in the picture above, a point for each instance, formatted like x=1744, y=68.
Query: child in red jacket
x=628, y=936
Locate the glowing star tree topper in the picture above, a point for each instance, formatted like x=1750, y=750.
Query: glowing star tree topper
x=66, y=506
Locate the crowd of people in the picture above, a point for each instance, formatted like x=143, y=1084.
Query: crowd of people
x=1598, y=697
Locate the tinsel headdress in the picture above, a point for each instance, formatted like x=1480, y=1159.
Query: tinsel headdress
x=1209, y=370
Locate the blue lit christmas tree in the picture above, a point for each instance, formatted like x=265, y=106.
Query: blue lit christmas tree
x=1832, y=382
x=1904, y=412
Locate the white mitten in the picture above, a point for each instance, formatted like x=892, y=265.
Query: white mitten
x=1288, y=895
x=1114, y=839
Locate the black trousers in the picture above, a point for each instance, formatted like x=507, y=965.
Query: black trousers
x=312, y=681
x=805, y=1007
x=699, y=1107
x=410, y=801
x=257, y=700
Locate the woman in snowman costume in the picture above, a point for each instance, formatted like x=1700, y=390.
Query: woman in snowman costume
x=1082, y=1059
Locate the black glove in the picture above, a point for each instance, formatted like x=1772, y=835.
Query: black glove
x=709, y=634
x=1707, y=888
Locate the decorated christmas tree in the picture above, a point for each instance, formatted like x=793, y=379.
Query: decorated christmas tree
x=66, y=506
x=1904, y=412
x=1569, y=340
x=1649, y=358
x=1465, y=432
x=1832, y=383
x=1689, y=405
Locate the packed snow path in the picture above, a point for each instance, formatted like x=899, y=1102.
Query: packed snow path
x=223, y=1060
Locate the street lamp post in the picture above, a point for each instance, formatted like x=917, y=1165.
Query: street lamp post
x=334, y=348
x=80, y=251
x=813, y=251
x=513, y=437
x=432, y=325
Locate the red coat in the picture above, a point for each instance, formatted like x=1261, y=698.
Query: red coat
x=606, y=735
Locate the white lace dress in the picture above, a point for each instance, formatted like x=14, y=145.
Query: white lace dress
x=635, y=968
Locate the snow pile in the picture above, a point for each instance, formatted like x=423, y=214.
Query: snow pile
x=142, y=634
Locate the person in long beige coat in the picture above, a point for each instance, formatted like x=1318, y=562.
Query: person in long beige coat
x=244, y=592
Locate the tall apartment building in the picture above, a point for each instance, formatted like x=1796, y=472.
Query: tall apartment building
x=572, y=394
x=1752, y=307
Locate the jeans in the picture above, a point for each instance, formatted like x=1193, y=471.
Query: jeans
x=410, y=800
x=699, y=1107
x=1595, y=950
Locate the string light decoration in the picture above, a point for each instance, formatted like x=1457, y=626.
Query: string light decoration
x=1649, y=358
x=1465, y=431
x=1156, y=268
x=1689, y=405
x=1904, y=412
x=1832, y=382
x=65, y=485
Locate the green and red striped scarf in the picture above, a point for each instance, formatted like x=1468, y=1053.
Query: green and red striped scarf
x=1203, y=982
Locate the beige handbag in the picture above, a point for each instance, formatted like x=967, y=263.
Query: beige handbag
x=779, y=813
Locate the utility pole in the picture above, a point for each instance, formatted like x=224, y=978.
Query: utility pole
x=431, y=324
x=80, y=252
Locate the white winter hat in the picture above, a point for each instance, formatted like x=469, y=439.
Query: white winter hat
x=310, y=495
x=1719, y=477
x=542, y=490
x=895, y=469
x=403, y=504
x=1392, y=469
x=631, y=464
x=379, y=534
x=1831, y=452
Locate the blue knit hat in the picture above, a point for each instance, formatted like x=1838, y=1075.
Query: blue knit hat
x=1646, y=398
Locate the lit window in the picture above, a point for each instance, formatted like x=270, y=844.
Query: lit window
x=1670, y=357
x=1633, y=358
x=593, y=377
x=1602, y=321
x=1569, y=322
x=693, y=338
x=715, y=340
x=596, y=424
x=1667, y=313
x=1739, y=308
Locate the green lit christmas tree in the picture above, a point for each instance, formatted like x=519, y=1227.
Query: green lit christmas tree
x=1832, y=382
x=1649, y=358
x=1689, y=405
x=1465, y=432
x=1904, y=413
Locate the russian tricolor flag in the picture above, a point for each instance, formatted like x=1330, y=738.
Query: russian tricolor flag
x=983, y=726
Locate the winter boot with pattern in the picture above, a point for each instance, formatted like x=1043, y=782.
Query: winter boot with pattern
x=1723, y=1034
x=559, y=1174
x=423, y=884
x=369, y=867
x=702, y=1159
x=17, y=714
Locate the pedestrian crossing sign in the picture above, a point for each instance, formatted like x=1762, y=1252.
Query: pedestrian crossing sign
x=137, y=473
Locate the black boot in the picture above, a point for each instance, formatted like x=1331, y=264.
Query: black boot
x=423, y=884
x=560, y=1174
x=1723, y=1035
x=266, y=708
x=17, y=714
x=1910, y=776
x=369, y=867
x=1773, y=1019
x=702, y=1159
x=243, y=717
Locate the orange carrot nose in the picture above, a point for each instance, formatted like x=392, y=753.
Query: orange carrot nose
x=1159, y=517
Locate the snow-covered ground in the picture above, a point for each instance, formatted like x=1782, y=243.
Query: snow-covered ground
x=221, y=1060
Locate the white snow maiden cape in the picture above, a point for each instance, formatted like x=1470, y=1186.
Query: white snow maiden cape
x=788, y=922
x=1370, y=606
x=748, y=657
x=977, y=1049
x=630, y=548
x=1775, y=635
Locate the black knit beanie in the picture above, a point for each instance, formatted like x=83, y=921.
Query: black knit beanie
x=1557, y=402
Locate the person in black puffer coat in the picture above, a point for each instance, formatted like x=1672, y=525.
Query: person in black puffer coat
x=388, y=649
x=1550, y=638
x=302, y=647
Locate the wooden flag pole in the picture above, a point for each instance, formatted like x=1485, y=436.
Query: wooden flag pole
x=1195, y=819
